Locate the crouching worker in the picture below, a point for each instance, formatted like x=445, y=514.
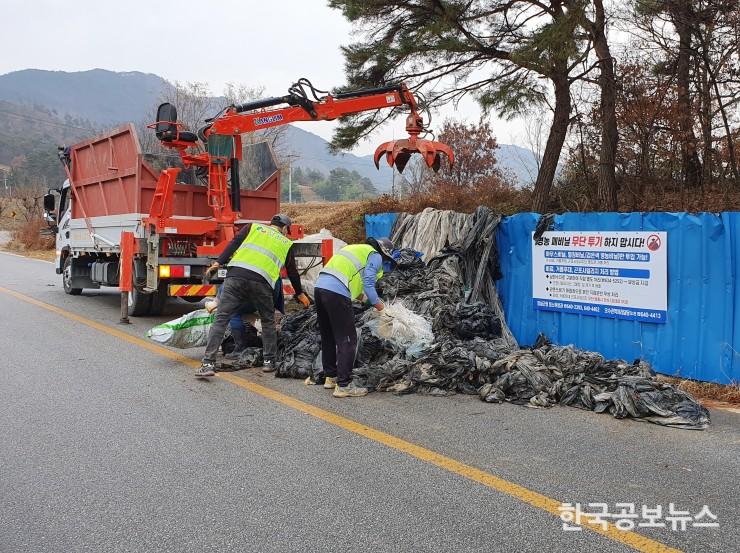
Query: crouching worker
x=242, y=332
x=351, y=271
x=254, y=259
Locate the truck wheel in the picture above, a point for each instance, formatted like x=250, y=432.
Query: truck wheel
x=159, y=300
x=139, y=303
x=67, y=278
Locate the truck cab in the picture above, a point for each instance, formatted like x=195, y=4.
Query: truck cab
x=61, y=221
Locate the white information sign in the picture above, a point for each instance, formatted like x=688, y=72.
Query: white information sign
x=609, y=274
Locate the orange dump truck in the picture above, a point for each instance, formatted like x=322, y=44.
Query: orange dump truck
x=131, y=221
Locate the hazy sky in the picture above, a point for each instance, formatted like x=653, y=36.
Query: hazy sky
x=258, y=43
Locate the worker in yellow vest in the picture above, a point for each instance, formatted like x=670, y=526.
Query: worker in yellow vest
x=349, y=274
x=254, y=259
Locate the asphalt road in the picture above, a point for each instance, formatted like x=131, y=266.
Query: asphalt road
x=106, y=445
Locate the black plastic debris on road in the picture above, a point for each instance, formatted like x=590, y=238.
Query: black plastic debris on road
x=473, y=351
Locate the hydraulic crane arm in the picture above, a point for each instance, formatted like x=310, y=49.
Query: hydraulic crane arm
x=254, y=116
x=235, y=121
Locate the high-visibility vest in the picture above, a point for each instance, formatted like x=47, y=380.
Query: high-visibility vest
x=263, y=251
x=347, y=264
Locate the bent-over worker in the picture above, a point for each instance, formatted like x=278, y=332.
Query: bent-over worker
x=241, y=331
x=254, y=259
x=354, y=269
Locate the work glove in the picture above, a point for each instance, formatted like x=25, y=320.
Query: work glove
x=379, y=306
x=303, y=300
x=214, y=266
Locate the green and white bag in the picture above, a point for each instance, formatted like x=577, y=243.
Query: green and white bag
x=188, y=331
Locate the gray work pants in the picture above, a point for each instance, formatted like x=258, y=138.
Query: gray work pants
x=236, y=292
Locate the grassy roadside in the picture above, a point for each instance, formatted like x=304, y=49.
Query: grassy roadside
x=46, y=255
x=26, y=238
x=710, y=394
x=345, y=220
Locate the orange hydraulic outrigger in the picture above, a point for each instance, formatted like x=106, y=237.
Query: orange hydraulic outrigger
x=234, y=121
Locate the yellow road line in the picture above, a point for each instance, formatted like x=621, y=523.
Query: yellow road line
x=542, y=502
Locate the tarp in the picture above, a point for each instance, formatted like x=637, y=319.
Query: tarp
x=379, y=225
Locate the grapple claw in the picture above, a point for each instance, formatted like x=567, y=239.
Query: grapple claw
x=398, y=152
x=437, y=163
x=379, y=151
x=401, y=160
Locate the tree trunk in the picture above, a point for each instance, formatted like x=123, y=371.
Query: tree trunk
x=607, y=187
x=706, y=128
x=555, y=141
x=706, y=106
x=691, y=165
x=729, y=137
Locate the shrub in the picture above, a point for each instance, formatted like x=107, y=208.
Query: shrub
x=27, y=236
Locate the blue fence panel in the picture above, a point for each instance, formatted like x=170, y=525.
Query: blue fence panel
x=379, y=225
x=731, y=350
x=701, y=338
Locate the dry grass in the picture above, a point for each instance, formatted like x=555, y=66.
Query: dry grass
x=46, y=255
x=26, y=237
x=644, y=195
x=497, y=197
x=346, y=220
x=707, y=391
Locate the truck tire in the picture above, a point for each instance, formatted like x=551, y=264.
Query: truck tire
x=139, y=303
x=67, y=278
x=159, y=300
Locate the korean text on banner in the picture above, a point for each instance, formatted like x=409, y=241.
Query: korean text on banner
x=608, y=274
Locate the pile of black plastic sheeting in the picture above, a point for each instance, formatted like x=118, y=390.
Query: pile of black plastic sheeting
x=547, y=375
x=473, y=351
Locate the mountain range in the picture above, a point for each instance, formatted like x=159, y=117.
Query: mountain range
x=58, y=106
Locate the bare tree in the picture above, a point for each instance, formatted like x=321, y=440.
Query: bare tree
x=416, y=178
x=236, y=93
x=195, y=104
x=536, y=124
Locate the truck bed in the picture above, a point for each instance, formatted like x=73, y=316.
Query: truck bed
x=116, y=186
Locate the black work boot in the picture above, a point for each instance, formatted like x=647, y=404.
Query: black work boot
x=240, y=343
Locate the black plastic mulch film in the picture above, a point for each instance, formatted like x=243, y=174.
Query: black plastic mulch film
x=473, y=351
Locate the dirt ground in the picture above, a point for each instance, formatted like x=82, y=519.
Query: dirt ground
x=46, y=255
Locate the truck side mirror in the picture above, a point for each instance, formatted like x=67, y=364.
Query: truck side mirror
x=49, y=202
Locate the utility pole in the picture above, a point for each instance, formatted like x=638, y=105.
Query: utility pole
x=393, y=172
x=290, y=182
